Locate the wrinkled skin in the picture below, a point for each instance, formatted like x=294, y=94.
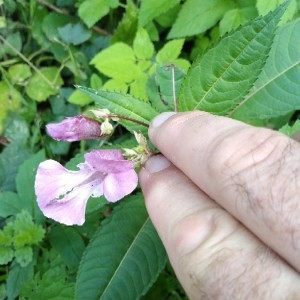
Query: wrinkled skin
x=225, y=199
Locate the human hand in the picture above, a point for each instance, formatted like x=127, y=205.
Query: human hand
x=226, y=204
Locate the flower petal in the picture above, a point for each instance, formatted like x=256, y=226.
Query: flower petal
x=75, y=129
x=62, y=194
x=118, y=185
x=107, y=161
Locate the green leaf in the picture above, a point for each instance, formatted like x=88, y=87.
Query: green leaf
x=79, y=98
x=10, y=204
x=53, y=21
x=142, y=45
x=277, y=90
x=25, y=184
x=124, y=258
x=17, y=276
x=10, y=159
x=126, y=29
x=117, y=61
x=123, y=105
x=160, y=87
x=91, y=11
x=19, y=73
x=51, y=281
x=170, y=51
x=290, y=130
x=197, y=16
x=218, y=83
x=236, y=17
x=150, y=9
x=10, y=100
x=6, y=255
x=74, y=34
x=24, y=256
x=12, y=45
x=44, y=83
x=68, y=243
x=264, y=7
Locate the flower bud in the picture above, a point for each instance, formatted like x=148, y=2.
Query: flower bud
x=75, y=129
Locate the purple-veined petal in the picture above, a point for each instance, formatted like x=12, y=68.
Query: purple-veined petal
x=107, y=161
x=62, y=194
x=118, y=185
x=75, y=129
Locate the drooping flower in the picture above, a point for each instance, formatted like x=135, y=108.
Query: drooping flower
x=75, y=129
x=63, y=194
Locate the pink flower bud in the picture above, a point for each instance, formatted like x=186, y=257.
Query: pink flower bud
x=75, y=129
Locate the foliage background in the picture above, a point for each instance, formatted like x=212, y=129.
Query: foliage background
x=120, y=50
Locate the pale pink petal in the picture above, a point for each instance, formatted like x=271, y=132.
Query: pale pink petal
x=118, y=185
x=70, y=210
x=62, y=194
x=107, y=161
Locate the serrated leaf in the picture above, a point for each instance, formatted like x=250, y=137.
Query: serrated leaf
x=170, y=51
x=218, y=83
x=124, y=258
x=264, y=7
x=161, y=85
x=68, y=242
x=117, y=61
x=116, y=85
x=91, y=11
x=24, y=256
x=44, y=83
x=197, y=16
x=277, y=90
x=127, y=28
x=236, y=17
x=142, y=45
x=123, y=105
x=74, y=34
x=150, y=9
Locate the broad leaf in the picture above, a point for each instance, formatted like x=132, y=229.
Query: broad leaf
x=277, y=90
x=117, y=61
x=142, y=45
x=170, y=51
x=151, y=9
x=264, y=7
x=124, y=258
x=44, y=83
x=220, y=79
x=74, y=34
x=197, y=16
x=68, y=242
x=91, y=11
x=25, y=184
x=124, y=105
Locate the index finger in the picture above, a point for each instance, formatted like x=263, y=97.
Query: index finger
x=253, y=173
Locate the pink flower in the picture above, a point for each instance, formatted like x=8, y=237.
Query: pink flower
x=62, y=195
x=75, y=129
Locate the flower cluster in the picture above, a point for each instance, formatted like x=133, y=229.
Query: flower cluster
x=63, y=194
